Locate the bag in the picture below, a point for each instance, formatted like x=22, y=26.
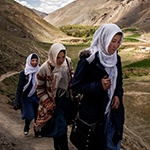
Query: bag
x=82, y=134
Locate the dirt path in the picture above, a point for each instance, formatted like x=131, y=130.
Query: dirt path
x=8, y=74
x=136, y=93
x=11, y=129
x=137, y=43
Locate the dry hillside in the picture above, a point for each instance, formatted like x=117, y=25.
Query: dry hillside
x=86, y=12
x=22, y=31
x=16, y=18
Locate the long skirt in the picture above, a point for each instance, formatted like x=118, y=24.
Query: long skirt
x=29, y=107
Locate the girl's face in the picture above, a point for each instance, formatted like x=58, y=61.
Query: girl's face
x=60, y=58
x=34, y=62
x=114, y=44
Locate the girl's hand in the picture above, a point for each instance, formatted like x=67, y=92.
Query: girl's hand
x=115, y=102
x=106, y=82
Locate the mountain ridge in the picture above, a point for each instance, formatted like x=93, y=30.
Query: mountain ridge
x=125, y=13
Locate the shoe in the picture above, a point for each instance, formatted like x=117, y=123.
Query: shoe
x=38, y=134
x=26, y=130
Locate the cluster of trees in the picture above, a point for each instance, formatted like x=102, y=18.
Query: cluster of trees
x=78, y=30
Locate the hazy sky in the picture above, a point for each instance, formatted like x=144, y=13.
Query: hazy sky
x=46, y=6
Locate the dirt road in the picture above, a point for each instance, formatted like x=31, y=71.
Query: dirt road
x=11, y=129
x=11, y=132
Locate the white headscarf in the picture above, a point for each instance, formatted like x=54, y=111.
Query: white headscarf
x=100, y=42
x=31, y=71
x=53, y=53
x=60, y=72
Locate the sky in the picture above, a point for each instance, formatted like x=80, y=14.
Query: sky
x=46, y=6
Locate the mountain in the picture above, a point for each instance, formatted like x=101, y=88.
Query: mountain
x=21, y=18
x=41, y=14
x=125, y=13
x=21, y=29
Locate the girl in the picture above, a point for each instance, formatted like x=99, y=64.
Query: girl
x=53, y=90
x=26, y=91
x=98, y=77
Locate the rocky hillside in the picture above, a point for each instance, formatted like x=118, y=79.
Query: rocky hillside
x=86, y=12
x=21, y=29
